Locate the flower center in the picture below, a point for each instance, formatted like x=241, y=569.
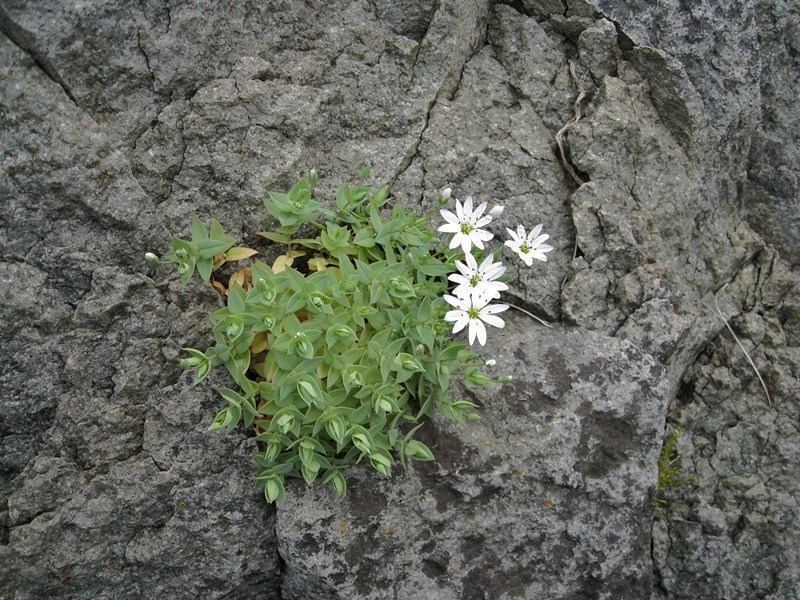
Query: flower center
x=466, y=228
x=524, y=248
x=474, y=280
x=473, y=313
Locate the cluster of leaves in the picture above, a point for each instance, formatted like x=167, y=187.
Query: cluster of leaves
x=337, y=349
x=669, y=476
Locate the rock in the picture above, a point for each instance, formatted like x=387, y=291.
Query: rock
x=120, y=121
x=548, y=494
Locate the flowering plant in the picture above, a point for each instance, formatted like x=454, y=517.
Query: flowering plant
x=341, y=345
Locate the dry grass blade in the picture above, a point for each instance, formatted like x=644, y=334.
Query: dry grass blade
x=750, y=360
x=578, y=114
x=530, y=314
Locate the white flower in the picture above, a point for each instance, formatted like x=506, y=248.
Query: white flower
x=491, y=362
x=466, y=225
x=478, y=280
x=474, y=312
x=446, y=192
x=529, y=247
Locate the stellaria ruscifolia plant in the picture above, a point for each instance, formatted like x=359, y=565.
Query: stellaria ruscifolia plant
x=339, y=348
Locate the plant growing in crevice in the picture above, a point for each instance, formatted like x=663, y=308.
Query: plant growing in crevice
x=340, y=347
x=669, y=476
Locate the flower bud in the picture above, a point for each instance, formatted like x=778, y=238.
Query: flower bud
x=491, y=362
x=234, y=330
x=339, y=483
x=335, y=428
x=181, y=254
x=285, y=423
x=151, y=258
x=362, y=442
x=344, y=332
x=272, y=452
x=352, y=378
x=190, y=363
x=366, y=311
x=183, y=268
x=319, y=300
x=506, y=379
x=496, y=211
x=307, y=392
x=446, y=193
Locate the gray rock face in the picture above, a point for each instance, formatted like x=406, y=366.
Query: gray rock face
x=549, y=494
x=120, y=120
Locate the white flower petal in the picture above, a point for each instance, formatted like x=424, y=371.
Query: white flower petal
x=456, y=241
x=459, y=279
x=493, y=320
x=472, y=264
x=534, y=232
x=476, y=214
x=461, y=323
x=453, y=301
x=493, y=308
x=496, y=211
x=481, y=332
x=448, y=216
x=467, y=207
x=449, y=228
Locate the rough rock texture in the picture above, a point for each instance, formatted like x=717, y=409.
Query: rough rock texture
x=120, y=120
x=549, y=495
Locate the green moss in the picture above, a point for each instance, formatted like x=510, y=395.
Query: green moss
x=669, y=476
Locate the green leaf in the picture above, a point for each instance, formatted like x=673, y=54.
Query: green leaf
x=198, y=230
x=236, y=297
x=274, y=490
x=365, y=238
x=275, y=236
x=381, y=196
x=204, y=268
x=216, y=232
x=212, y=247
x=418, y=451
x=337, y=480
x=343, y=197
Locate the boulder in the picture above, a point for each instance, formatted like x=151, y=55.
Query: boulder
x=654, y=142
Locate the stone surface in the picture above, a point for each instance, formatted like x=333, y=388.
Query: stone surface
x=120, y=120
x=549, y=494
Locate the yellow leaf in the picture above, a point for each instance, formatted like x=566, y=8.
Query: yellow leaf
x=323, y=370
x=295, y=253
x=259, y=343
x=281, y=263
x=220, y=288
x=239, y=277
x=218, y=260
x=239, y=254
x=258, y=367
x=317, y=263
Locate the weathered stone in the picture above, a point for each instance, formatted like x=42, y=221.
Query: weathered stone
x=547, y=495
x=121, y=120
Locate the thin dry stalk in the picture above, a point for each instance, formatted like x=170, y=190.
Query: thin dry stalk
x=578, y=114
x=750, y=360
x=530, y=314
